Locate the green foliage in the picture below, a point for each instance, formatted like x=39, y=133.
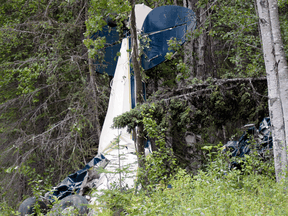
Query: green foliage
x=160, y=164
x=48, y=109
x=46, y=103
x=234, y=23
x=98, y=11
x=215, y=116
x=7, y=210
x=182, y=69
x=217, y=190
x=113, y=201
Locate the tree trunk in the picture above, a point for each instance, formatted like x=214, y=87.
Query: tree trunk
x=281, y=62
x=213, y=49
x=200, y=74
x=93, y=87
x=185, y=3
x=189, y=45
x=138, y=83
x=274, y=102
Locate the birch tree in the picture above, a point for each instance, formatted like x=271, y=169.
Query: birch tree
x=276, y=70
x=281, y=62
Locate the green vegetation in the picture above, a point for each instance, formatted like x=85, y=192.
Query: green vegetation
x=53, y=105
x=48, y=127
x=216, y=191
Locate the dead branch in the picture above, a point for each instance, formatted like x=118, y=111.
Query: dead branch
x=197, y=89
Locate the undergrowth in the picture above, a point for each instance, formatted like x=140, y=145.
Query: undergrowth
x=215, y=191
x=162, y=188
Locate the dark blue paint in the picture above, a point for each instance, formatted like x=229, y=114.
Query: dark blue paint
x=111, y=48
x=133, y=99
x=158, y=46
x=172, y=22
x=73, y=182
x=165, y=17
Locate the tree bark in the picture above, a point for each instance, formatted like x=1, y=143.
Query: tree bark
x=138, y=83
x=189, y=45
x=281, y=62
x=200, y=73
x=185, y=3
x=274, y=101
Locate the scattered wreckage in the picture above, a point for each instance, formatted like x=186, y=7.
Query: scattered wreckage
x=262, y=138
x=99, y=173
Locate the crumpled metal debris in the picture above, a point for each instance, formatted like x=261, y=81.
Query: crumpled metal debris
x=262, y=136
x=73, y=184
